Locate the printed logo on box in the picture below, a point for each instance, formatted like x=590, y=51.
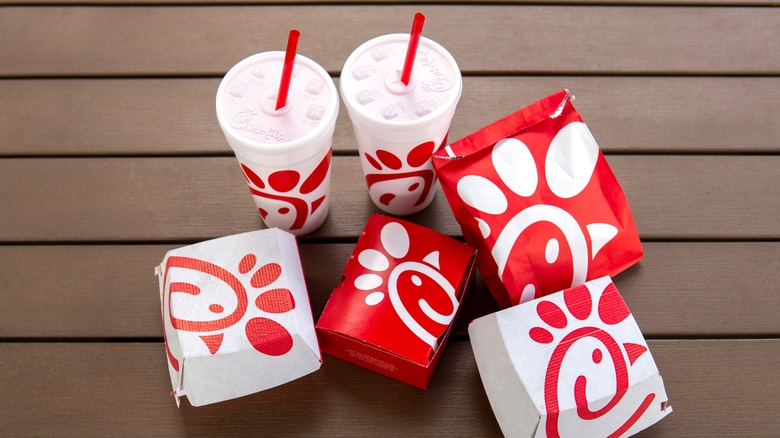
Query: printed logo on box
x=587, y=333
x=399, y=295
x=579, y=357
x=236, y=316
x=211, y=315
x=389, y=275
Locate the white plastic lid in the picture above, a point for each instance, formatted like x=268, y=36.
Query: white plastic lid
x=371, y=82
x=246, y=101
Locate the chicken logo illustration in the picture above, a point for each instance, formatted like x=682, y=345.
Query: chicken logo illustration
x=535, y=195
x=401, y=185
x=588, y=336
x=218, y=304
x=421, y=279
x=533, y=211
x=285, y=199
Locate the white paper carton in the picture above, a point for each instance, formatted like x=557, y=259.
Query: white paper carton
x=236, y=316
x=572, y=364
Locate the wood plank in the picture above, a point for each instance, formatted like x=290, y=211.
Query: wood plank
x=108, y=291
x=176, y=116
x=208, y=41
x=190, y=199
x=358, y=2
x=122, y=390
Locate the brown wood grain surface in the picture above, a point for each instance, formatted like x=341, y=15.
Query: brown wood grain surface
x=108, y=291
x=175, y=199
x=110, y=155
x=420, y=2
x=127, y=41
x=121, y=389
x=176, y=116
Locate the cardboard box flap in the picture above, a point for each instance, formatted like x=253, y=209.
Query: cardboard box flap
x=513, y=407
x=205, y=380
x=620, y=414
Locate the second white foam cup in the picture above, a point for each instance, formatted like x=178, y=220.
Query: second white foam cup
x=398, y=127
x=285, y=155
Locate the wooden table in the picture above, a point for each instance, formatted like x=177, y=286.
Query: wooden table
x=110, y=155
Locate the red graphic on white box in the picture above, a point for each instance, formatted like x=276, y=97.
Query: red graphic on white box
x=236, y=316
x=404, y=182
x=394, y=269
x=548, y=229
x=286, y=199
x=567, y=328
x=219, y=305
x=570, y=364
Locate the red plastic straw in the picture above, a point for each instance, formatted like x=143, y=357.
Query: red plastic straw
x=411, y=50
x=289, y=62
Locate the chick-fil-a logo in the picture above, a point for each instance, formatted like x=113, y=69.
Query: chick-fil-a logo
x=550, y=231
x=188, y=306
x=402, y=183
x=406, y=275
x=284, y=195
x=581, y=329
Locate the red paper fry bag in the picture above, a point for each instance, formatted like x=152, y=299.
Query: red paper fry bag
x=536, y=197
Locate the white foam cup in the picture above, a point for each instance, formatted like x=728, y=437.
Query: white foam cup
x=398, y=127
x=285, y=154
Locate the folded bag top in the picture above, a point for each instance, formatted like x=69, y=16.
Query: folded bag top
x=536, y=197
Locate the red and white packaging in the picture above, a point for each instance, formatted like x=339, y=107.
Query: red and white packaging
x=400, y=292
x=572, y=364
x=236, y=316
x=536, y=197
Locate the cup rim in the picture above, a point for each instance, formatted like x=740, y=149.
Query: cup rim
x=322, y=129
x=350, y=103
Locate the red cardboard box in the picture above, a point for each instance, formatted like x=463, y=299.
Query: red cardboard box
x=400, y=292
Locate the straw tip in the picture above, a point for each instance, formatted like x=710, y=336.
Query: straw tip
x=411, y=50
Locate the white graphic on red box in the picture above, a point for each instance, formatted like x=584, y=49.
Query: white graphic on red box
x=551, y=230
x=401, y=178
x=284, y=194
x=414, y=277
x=588, y=332
x=218, y=308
